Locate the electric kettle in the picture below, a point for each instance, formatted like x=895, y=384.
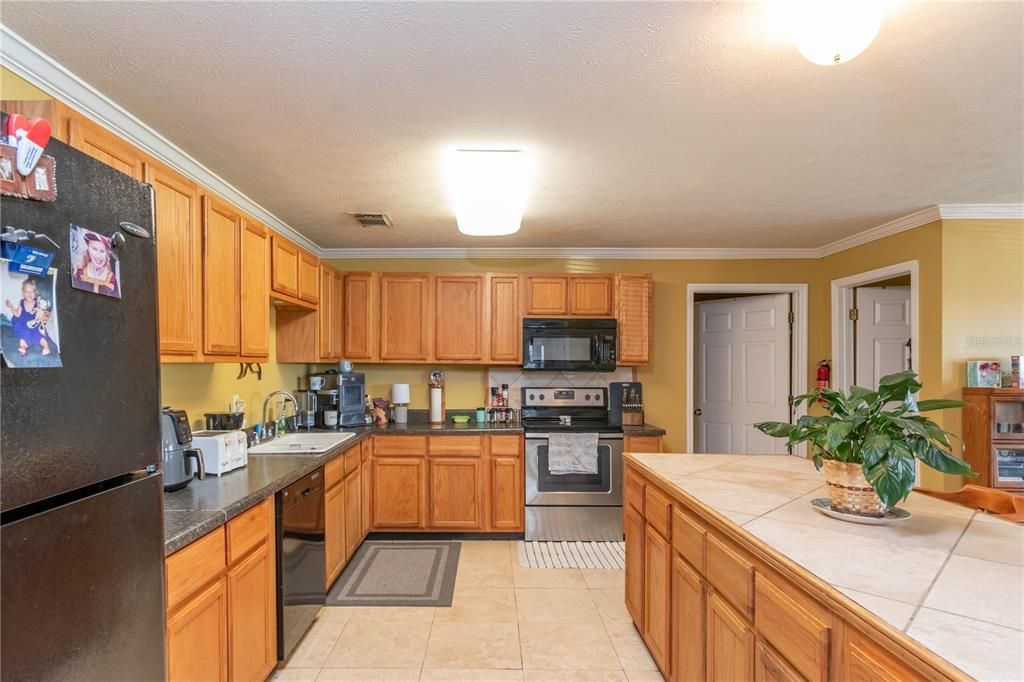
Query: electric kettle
x=177, y=437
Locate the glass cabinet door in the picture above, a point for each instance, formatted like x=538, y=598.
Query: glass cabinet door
x=1008, y=466
x=1007, y=419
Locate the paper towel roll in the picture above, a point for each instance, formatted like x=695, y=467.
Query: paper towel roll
x=436, y=405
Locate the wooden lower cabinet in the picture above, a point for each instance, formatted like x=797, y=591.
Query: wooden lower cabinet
x=507, y=493
x=642, y=444
x=730, y=643
x=770, y=666
x=688, y=609
x=657, y=599
x=864, y=660
x=633, y=528
x=399, y=492
x=334, y=532
x=252, y=613
x=353, y=509
x=456, y=486
x=365, y=487
x=197, y=637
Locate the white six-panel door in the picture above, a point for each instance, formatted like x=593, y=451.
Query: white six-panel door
x=883, y=328
x=741, y=373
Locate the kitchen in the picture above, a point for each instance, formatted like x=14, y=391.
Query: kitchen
x=391, y=426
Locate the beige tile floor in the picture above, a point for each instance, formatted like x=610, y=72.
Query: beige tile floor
x=505, y=623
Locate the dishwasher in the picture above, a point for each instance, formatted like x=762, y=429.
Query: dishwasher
x=301, y=572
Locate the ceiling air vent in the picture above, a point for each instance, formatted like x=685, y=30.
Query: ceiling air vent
x=373, y=219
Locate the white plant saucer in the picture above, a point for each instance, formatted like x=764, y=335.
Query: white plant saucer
x=824, y=505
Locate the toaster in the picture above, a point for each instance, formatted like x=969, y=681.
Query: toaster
x=223, y=451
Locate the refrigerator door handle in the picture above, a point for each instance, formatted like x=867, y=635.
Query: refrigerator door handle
x=200, y=462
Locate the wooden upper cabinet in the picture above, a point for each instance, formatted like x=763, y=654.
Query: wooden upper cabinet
x=285, y=261
x=505, y=320
x=179, y=236
x=546, y=295
x=222, y=227
x=309, y=277
x=54, y=111
x=633, y=312
x=105, y=146
x=361, y=315
x=592, y=295
x=255, y=290
x=329, y=314
x=406, y=319
x=459, y=317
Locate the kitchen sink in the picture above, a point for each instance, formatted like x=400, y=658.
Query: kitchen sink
x=302, y=444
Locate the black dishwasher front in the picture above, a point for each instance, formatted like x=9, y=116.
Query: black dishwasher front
x=301, y=572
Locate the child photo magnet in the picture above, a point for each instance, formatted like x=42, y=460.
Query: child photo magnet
x=29, y=329
x=94, y=265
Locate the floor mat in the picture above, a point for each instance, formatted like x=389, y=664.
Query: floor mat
x=398, y=574
x=609, y=555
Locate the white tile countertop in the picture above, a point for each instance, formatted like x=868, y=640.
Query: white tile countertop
x=950, y=578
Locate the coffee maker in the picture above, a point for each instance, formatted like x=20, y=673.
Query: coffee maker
x=341, y=398
x=176, y=437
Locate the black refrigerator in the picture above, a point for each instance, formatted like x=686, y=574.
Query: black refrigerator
x=81, y=498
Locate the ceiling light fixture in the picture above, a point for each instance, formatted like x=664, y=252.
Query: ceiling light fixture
x=829, y=32
x=488, y=189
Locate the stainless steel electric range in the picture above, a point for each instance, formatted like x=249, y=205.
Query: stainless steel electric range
x=571, y=506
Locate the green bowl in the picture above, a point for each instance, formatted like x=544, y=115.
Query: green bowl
x=461, y=418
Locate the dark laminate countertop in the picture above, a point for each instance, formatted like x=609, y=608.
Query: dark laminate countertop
x=204, y=505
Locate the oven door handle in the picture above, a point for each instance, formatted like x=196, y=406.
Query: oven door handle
x=600, y=436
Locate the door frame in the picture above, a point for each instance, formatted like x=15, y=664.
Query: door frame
x=842, y=326
x=799, y=368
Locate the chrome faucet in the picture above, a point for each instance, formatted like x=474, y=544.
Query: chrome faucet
x=286, y=396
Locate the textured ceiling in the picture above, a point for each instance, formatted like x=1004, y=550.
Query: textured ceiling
x=672, y=124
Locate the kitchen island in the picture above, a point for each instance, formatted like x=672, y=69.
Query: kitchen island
x=731, y=574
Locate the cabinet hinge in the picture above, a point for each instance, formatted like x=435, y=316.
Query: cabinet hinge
x=854, y=314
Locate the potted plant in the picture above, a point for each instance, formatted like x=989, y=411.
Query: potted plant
x=869, y=441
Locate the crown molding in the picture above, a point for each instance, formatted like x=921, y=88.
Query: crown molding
x=38, y=68
x=572, y=253
x=981, y=211
x=907, y=222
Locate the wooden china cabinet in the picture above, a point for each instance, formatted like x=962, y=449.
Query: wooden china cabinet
x=994, y=436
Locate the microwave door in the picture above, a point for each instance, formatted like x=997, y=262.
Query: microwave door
x=557, y=350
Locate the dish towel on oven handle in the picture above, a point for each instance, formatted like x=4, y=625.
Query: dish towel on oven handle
x=572, y=453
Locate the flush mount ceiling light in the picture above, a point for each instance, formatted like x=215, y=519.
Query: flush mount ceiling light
x=488, y=189
x=829, y=32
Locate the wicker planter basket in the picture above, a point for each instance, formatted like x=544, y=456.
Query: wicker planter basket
x=850, y=491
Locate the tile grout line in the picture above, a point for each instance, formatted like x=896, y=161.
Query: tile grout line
x=935, y=578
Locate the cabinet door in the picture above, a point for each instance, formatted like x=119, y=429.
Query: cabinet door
x=353, y=509
x=642, y=444
x=769, y=666
x=633, y=312
x=285, y=266
x=591, y=296
x=309, y=277
x=633, y=527
x=864, y=660
x=222, y=324
x=252, y=615
x=459, y=317
x=399, y=491
x=456, y=484
x=179, y=238
x=360, y=312
x=505, y=327
x=334, y=532
x=730, y=643
x=657, y=588
x=507, y=500
x=335, y=314
x=546, y=295
x=197, y=637
x=105, y=146
x=687, y=655
x=255, y=290
x=406, y=317
x=366, y=491
x=325, y=331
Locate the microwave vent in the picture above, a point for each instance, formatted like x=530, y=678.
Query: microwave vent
x=373, y=220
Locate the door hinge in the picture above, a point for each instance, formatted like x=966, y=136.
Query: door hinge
x=792, y=317
x=854, y=314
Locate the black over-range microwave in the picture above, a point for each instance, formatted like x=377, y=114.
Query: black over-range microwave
x=580, y=345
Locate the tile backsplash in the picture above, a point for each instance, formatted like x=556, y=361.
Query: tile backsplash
x=517, y=379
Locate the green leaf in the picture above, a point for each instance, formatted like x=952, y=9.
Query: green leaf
x=892, y=478
x=941, y=460
x=875, y=447
x=837, y=433
x=898, y=386
x=913, y=426
x=775, y=429
x=929, y=405
x=861, y=394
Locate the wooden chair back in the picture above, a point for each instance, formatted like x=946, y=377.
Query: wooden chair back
x=998, y=503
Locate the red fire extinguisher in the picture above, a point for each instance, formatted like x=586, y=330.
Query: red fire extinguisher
x=824, y=375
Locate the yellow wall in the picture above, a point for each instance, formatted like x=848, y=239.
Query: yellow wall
x=982, y=299
x=199, y=388
x=15, y=87
x=664, y=378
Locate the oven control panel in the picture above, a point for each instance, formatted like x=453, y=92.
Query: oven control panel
x=564, y=397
